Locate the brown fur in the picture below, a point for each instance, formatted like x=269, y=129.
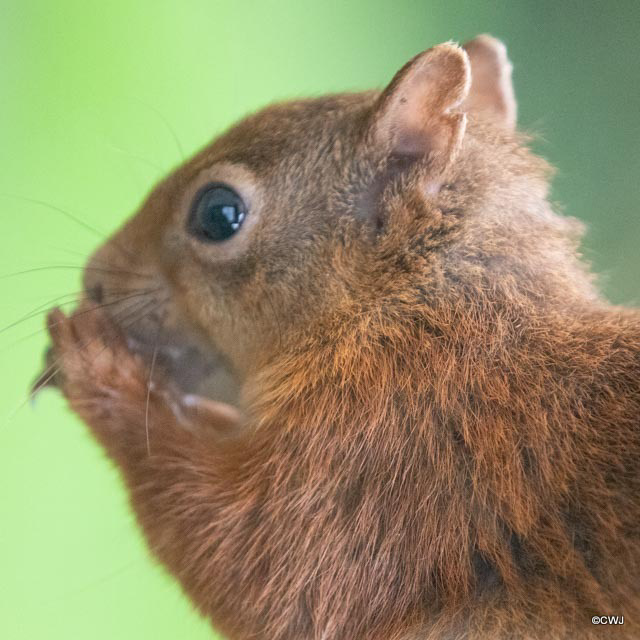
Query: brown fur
x=440, y=416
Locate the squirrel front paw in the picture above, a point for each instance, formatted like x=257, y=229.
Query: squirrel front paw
x=112, y=388
x=92, y=364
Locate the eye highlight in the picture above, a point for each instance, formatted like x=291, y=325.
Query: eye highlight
x=217, y=213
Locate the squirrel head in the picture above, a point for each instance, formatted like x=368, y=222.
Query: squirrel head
x=311, y=213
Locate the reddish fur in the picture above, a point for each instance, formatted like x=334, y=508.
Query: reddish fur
x=441, y=431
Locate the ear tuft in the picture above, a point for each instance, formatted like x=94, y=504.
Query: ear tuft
x=415, y=115
x=491, y=95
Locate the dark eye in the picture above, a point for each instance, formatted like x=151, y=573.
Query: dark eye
x=217, y=213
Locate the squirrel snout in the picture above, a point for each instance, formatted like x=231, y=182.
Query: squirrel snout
x=93, y=280
x=105, y=275
x=95, y=292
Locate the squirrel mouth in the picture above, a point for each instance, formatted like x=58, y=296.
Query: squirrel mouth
x=192, y=367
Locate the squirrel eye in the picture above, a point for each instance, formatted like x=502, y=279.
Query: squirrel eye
x=216, y=214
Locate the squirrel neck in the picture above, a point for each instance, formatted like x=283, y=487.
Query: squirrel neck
x=386, y=368
x=466, y=423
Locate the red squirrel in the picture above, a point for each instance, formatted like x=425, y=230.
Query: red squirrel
x=358, y=380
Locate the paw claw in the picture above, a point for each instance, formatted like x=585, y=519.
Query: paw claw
x=57, y=324
x=54, y=317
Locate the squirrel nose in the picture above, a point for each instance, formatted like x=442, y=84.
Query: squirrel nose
x=92, y=281
x=95, y=292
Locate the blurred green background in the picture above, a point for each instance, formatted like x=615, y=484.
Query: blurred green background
x=99, y=100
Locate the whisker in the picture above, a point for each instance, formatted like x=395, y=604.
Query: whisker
x=33, y=334
x=101, y=234
x=166, y=123
x=136, y=156
x=82, y=254
x=76, y=297
x=111, y=271
x=53, y=207
x=83, y=588
x=101, y=263
x=103, y=305
x=39, y=310
x=146, y=410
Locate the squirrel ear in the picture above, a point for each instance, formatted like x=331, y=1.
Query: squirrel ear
x=491, y=95
x=415, y=115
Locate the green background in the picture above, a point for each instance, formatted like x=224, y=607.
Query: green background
x=94, y=97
